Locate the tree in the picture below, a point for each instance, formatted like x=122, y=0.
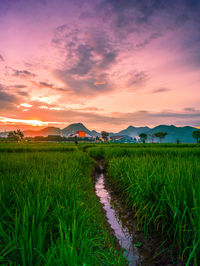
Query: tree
x=160, y=135
x=143, y=137
x=104, y=135
x=178, y=141
x=13, y=136
x=20, y=134
x=16, y=135
x=196, y=135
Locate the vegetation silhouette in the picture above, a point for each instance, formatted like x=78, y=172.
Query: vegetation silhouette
x=196, y=135
x=143, y=137
x=161, y=135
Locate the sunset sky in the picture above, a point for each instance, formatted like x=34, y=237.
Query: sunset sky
x=106, y=63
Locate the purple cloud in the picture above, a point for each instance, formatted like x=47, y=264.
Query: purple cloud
x=23, y=73
x=7, y=99
x=160, y=90
x=1, y=58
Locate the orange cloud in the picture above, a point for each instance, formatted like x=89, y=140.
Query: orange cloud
x=99, y=83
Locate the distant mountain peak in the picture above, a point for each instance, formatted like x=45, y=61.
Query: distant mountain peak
x=76, y=124
x=132, y=131
x=130, y=127
x=72, y=128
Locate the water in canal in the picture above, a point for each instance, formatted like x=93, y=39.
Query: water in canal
x=118, y=222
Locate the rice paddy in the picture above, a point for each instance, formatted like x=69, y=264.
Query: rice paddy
x=162, y=187
x=50, y=214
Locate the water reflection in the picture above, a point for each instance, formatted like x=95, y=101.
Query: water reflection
x=121, y=231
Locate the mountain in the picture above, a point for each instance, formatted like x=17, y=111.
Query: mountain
x=174, y=133
x=72, y=128
x=95, y=133
x=43, y=132
x=133, y=131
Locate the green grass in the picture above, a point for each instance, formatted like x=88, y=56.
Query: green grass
x=50, y=214
x=36, y=147
x=162, y=186
x=49, y=211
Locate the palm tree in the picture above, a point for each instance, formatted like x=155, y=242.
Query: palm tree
x=12, y=135
x=20, y=134
x=16, y=135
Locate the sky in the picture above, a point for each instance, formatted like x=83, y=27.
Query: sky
x=106, y=63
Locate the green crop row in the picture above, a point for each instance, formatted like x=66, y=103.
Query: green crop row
x=36, y=147
x=162, y=186
x=69, y=146
x=49, y=212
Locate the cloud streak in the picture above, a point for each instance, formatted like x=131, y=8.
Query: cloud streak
x=160, y=90
x=23, y=73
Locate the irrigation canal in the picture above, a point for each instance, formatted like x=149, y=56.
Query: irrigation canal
x=137, y=249
x=120, y=223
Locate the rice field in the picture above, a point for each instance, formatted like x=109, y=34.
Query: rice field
x=162, y=186
x=50, y=214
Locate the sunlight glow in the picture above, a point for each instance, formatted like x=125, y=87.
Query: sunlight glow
x=26, y=122
x=28, y=105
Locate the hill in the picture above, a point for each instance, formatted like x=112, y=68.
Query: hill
x=133, y=131
x=95, y=133
x=174, y=133
x=73, y=128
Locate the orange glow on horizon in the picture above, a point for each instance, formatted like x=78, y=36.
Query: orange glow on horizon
x=33, y=122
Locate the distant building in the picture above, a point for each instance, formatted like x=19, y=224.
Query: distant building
x=81, y=134
x=121, y=139
x=116, y=138
x=4, y=134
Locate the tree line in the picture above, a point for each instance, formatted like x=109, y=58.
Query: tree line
x=160, y=135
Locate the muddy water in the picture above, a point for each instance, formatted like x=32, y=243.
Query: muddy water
x=121, y=224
